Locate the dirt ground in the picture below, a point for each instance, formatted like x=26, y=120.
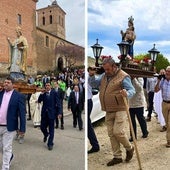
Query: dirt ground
x=152, y=151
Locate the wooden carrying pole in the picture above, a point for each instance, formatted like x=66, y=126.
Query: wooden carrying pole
x=132, y=131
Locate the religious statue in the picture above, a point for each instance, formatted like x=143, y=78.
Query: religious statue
x=18, y=56
x=129, y=35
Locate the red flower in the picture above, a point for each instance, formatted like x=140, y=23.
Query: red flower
x=105, y=56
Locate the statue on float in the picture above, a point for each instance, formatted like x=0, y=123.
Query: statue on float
x=129, y=35
x=18, y=56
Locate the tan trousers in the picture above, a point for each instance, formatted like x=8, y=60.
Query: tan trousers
x=115, y=126
x=166, y=114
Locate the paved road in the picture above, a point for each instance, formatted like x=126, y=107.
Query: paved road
x=67, y=154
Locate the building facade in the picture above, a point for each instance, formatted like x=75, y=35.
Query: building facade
x=44, y=30
x=12, y=14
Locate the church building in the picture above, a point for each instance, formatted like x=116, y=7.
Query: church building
x=44, y=30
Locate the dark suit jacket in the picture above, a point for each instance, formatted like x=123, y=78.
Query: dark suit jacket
x=16, y=108
x=45, y=80
x=51, y=105
x=72, y=101
x=61, y=97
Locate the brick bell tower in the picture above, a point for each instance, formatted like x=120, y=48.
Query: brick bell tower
x=52, y=19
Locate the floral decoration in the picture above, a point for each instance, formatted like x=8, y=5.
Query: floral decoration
x=102, y=57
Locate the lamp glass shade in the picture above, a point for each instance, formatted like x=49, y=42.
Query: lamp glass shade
x=154, y=53
x=124, y=48
x=97, y=49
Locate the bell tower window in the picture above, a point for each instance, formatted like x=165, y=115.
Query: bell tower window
x=43, y=20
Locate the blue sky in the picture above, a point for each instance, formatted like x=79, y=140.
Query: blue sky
x=75, y=20
x=151, y=20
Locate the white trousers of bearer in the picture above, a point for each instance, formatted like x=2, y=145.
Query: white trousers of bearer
x=6, y=139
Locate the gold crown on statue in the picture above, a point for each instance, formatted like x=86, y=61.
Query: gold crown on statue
x=131, y=19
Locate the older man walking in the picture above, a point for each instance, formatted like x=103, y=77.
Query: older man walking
x=115, y=84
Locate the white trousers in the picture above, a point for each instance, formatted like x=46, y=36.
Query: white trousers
x=6, y=139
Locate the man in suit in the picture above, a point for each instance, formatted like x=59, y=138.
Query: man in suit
x=45, y=80
x=60, y=94
x=50, y=109
x=76, y=102
x=12, y=106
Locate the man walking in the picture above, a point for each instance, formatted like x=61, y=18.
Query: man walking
x=150, y=86
x=115, y=84
x=91, y=134
x=163, y=84
x=76, y=102
x=50, y=109
x=12, y=106
x=60, y=94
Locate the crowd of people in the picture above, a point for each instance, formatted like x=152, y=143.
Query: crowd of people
x=44, y=108
x=115, y=87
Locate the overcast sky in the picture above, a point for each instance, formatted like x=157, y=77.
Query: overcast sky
x=151, y=20
x=75, y=18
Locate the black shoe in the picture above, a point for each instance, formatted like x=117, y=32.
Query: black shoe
x=50, y=147
x=145, y=135
x=80, y=129
x=45, y=139
x=12, y=156
x=74, y=126
x=114, y=161
x=28, y=118
x=92, y=150
x=62, y=127
x=131, y=139
x=163, y=129
x=56, y=127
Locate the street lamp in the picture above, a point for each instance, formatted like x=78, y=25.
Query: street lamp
x=97, y=49
x=124, y=48
x=154, y=54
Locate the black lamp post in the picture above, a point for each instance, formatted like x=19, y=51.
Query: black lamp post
x=124, y=49
x=153, y=54
x=97, y=49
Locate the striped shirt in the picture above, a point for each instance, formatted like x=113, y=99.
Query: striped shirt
x=164, y=85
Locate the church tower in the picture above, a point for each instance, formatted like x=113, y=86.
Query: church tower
x=52, y=19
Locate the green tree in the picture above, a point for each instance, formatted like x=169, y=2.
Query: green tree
x=161, y=61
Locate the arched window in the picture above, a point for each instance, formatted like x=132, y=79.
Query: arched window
x=59, y=19
x=62, y=22
x=43, y=20
x=19, y=19
x=51, y=19
x=47, y=41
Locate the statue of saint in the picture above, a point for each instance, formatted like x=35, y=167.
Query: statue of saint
x=129, y=35
x=18, y=56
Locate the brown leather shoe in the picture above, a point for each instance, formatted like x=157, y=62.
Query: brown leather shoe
x=129, y=154
x=168, y=144
x=114, y=161
x=163, y=129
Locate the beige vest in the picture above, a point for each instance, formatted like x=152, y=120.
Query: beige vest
x=110, y=98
